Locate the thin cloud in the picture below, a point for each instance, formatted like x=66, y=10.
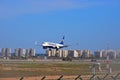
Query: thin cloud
x=12, y=8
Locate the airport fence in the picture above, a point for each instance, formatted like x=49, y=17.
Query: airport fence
x=82, y=77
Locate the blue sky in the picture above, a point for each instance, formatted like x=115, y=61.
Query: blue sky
x=86, y=24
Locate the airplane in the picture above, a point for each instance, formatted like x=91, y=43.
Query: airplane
x=51, y=45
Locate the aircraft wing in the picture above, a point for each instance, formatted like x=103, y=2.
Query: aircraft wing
x=66, y=45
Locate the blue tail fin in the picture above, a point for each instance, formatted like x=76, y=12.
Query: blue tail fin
x=62, y=42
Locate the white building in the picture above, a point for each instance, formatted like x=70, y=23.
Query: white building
x=74, y=53
x=30, y=52
x=86, y=53
x=65, y=53
x=6, y=53
x=51, y=53
x=79, y=53
x=20, y=52
x=113, y=54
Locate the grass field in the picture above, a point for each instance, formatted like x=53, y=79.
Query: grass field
x=47, y=68
x=35, y=69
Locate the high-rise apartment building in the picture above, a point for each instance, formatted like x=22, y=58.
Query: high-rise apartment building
x=30, y=52
x=98, y=54
x=73, y=53
x=104, y=53
x=86, y=53
x=51, y=53
x=20, y=52
x=79, y=53
x=65, y=53
x=6, y=52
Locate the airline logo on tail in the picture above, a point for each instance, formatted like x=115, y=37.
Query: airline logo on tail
x=62, y=42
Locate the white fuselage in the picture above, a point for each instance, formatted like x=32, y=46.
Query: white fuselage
x=52, y=45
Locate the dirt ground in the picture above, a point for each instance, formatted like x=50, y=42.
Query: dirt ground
x=48, y=78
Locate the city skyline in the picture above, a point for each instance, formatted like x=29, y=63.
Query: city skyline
x=85, y=24
x=21, y=53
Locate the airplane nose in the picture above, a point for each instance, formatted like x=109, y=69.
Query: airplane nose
x=44, y=43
